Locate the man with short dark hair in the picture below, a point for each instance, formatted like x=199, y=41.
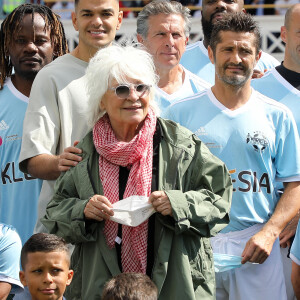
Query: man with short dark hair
x=196, y=59
x=56, y=117
x=283, y=84
x=30, y=38
x=257, y=138
x=163, y=27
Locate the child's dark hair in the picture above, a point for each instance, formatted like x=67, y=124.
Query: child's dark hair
x=130, y=286
x=43, y=242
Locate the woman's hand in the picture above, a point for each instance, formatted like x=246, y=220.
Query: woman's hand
x=161, y=203
x=98, y=208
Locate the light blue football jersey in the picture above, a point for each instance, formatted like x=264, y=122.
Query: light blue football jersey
x=295, y=249
x=273, y=85
x=18, y=191
x=195, y=59
x=10, y=250
x=192, y=85
x=258, y=142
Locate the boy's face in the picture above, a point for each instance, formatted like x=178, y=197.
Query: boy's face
x=46, y=274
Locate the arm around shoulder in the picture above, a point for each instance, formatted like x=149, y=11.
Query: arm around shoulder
x=43, y=166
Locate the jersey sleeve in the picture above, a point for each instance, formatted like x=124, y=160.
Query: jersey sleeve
x=10, y=250
x=266, y=62
x=287, y=158
x=42, y=120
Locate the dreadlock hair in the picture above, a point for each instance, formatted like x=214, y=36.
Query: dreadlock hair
x=12, y=24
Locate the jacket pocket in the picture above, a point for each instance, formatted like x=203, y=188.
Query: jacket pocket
x=201, y=263
x=196, y=271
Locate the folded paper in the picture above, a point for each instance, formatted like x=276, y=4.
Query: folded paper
x=132, y=211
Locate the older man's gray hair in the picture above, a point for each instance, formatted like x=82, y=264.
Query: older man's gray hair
x=166, y=7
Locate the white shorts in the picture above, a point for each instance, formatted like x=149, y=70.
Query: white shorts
x=250, y=281
x=287, y=270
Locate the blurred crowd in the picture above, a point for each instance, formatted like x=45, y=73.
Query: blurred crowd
x=131, y=7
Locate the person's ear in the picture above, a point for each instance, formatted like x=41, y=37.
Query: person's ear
x=283, y=34
x=258, y=56
x=211, y=55
x=102, y=106
x=55, y=51
x=140, y=38
x=186, y=40
x=70, y=276
x=22, y=278
x=74, y=20
x=120, y=19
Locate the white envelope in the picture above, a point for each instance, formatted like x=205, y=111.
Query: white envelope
x=132, y=211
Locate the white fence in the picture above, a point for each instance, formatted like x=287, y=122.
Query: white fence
x=269, y=26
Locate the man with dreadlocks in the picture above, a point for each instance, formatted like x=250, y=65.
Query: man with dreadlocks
x=56, y=118
x=31, y=37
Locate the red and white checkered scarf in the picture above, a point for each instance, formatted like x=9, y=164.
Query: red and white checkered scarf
x=137, y=154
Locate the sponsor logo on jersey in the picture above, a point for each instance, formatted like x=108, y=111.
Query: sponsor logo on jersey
x=249, y=181
x=201, y=131
x=9, y=174
x=258, y=141
x=12, y=138
x=213, y=145
x=3, y=125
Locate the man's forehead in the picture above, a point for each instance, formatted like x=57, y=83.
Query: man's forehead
x=166, y=19
x=228, y=2
x=295, y=16
x=90, y=4
x=30, y=20
x=232, y=37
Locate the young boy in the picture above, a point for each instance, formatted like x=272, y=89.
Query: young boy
x=45, y=261
x=130, y=286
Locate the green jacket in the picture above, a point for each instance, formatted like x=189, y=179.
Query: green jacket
x=199, y=188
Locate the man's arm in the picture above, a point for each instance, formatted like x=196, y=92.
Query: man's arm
x=289, y=231
x=259, y=247
x=5, y=288
x=49, y=167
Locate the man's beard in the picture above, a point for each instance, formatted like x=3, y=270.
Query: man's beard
x=207, y=27
x=27, y=75
x=235, y=80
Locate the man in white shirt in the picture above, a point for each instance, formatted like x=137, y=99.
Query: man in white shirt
x=56, y=118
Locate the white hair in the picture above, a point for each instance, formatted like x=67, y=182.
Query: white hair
x=121, y=64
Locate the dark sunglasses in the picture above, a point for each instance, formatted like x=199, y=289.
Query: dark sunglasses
x=123, y=90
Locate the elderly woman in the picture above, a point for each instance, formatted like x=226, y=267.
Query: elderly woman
x=130, y=151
